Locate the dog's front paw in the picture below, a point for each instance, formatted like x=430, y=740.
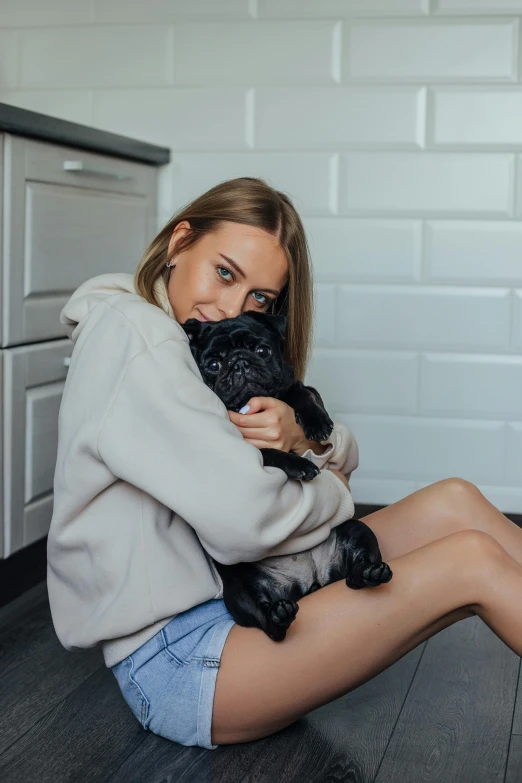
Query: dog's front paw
x=293, y=465
x=370, y=575
x=303, y=472
x=317, y=425
x=297, y=467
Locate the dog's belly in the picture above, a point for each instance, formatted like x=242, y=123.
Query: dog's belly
x=305, y=568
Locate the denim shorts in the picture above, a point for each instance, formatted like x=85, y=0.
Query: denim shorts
x=169, y=681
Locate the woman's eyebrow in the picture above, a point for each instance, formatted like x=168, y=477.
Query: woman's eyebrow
x=240, y=271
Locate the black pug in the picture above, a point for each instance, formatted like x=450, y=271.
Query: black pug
x=240, y=358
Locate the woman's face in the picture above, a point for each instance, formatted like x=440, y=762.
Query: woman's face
x=205, y=284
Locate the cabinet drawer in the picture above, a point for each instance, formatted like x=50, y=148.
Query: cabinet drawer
x=45, y=162
x=34, y=379
x=68, y=216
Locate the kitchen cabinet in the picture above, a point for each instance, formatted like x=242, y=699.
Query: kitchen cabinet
x=69, y=211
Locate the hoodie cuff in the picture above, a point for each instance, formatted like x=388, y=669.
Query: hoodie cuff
x=342, y=452
x=320, y=460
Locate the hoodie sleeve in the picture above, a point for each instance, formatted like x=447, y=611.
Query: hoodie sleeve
x=168, y=434
x=341, y=454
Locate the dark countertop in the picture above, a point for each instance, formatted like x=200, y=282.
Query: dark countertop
x=22, y=122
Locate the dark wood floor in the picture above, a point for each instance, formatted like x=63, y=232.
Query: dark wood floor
x=450, y=710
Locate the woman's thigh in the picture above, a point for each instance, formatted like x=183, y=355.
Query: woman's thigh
x=341, y=638
x=432, y=512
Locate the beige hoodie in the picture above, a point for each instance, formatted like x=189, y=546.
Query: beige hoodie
x=151, y=475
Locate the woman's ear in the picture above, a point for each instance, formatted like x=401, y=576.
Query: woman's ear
x=179, y=231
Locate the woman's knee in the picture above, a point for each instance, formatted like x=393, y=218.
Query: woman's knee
x=459, y=488
x=459, y=500
x=477, y=550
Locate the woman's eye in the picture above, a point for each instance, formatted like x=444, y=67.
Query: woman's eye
x=227, y=280
x=225, y=270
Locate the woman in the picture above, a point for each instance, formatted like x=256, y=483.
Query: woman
x=153, y=473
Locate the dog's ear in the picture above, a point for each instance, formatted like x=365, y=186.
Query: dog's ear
x=193, y=329
x=280, y=322
x=277, y=322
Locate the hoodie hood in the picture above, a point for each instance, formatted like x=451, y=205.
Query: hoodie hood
x=90, y=293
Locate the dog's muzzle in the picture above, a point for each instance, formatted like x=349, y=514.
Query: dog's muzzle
x=242, y=380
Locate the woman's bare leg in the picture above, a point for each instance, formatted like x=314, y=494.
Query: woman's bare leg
x=435, y=511
x=341, y=638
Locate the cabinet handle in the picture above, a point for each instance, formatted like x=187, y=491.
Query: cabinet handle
x=79, y=167
x=67, y=361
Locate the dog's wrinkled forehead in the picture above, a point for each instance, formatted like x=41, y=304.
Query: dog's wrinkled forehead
x=235, y=332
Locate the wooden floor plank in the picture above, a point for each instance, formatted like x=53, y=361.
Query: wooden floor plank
x=514, y=765
x=86, y=737
x=517, y=715
x=456, y=721
x=36, y=672
x=158, y=759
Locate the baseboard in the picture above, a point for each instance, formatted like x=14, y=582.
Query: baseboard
x=27, y=567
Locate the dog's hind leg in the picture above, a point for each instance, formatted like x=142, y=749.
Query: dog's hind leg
x=357, y=557
x=258, y=597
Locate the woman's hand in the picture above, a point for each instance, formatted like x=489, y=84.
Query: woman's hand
x=270, y=424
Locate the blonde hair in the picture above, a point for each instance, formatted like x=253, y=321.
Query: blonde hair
x=251, y=201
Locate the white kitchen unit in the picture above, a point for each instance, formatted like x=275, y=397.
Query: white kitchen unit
x=67, y=213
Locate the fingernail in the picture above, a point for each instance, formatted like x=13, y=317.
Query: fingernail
x=245, y=409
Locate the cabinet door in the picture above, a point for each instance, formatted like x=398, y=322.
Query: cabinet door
x=34, y=378
x=68, y=215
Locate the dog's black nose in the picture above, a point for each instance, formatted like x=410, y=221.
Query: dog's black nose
x=241, y=364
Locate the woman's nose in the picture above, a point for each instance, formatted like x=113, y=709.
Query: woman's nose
x=232, y=306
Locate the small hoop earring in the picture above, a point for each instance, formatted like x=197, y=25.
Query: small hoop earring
x=169, y=265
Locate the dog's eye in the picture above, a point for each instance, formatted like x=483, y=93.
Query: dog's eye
x=214, y=366
x=264, y=351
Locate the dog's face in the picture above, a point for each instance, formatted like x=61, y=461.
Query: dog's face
x=241, y=357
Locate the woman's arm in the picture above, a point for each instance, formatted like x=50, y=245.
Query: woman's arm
x=164, y=428
x=341, y=476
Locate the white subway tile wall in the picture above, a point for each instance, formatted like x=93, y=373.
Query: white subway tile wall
x=345, y=250
x=9, y=48
x=431, y=51
x=321, y=9
x=35, y=13
x=396, y=128
x=169, y=10
x=158, y=121
x=72, y=105
x=427, y=183
x=95, y=57
x=477, y=6
x=287, y=52
x=517, y=319
x=365, y=117
x=475, y=117
x=305, y=176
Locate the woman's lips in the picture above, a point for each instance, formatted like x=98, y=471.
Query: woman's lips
x=203, y=317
